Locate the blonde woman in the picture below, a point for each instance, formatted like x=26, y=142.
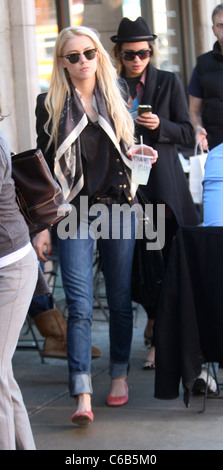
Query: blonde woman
x=84, y=130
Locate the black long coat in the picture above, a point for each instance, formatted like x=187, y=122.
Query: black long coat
x=167, y=183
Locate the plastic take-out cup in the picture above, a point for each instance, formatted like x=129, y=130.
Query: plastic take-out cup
x=141, y=166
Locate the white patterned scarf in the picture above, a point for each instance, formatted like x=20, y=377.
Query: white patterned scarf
x=68, y=163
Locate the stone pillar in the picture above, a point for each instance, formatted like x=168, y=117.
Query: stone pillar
x=202, y=23
x=24, y=58
x=25, y=73
x=7, y=97
x=105, y=17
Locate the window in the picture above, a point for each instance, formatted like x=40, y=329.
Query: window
x=167, y=26
x=46, y=33
x=131, y=9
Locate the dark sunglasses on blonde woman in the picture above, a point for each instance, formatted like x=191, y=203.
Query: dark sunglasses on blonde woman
x=131, y=55
x=75, y=56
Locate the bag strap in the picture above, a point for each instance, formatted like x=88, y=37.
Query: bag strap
x=198, y=145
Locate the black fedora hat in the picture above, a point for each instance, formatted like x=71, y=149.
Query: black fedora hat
x=133, y=31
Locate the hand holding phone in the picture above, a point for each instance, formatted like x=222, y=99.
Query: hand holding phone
x=144, y=108
x=146, y=117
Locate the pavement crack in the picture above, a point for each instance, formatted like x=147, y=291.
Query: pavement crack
x=48, y=403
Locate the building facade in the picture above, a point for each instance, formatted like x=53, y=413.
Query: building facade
x=28, y=29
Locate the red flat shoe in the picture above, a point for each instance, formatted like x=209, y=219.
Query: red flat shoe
x=82, y=418
x=118, y=401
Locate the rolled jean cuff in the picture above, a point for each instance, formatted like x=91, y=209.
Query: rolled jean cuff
x=80, y=383
x=117, y=371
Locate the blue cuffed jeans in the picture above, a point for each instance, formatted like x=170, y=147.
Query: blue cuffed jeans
x=76, y=262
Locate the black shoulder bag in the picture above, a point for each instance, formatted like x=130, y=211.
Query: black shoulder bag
x=148, y=266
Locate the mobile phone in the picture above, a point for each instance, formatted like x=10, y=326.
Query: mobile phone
x=144, y=108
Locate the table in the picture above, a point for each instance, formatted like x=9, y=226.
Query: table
x=189, y=326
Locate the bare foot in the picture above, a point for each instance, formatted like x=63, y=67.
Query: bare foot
x=148, y=332
x=149, y=363
x=83, y=402
x=118, y=388
x=151, y=355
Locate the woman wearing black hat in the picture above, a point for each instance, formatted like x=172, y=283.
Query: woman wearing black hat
x=166, y=126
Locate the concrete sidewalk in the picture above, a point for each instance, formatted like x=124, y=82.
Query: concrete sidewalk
x=144, y=423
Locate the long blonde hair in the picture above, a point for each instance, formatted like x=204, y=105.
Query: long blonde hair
x=106, y=76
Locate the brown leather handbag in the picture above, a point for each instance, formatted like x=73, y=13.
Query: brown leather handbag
x=39, y=196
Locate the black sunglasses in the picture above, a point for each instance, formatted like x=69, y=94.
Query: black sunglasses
x=75, y=57
x=131, y=55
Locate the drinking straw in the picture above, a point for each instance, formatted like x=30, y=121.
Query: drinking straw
x=141, y=142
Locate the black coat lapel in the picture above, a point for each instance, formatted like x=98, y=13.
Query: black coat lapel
x=152, y=86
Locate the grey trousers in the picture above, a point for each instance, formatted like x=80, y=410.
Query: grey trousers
x=17, y=284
